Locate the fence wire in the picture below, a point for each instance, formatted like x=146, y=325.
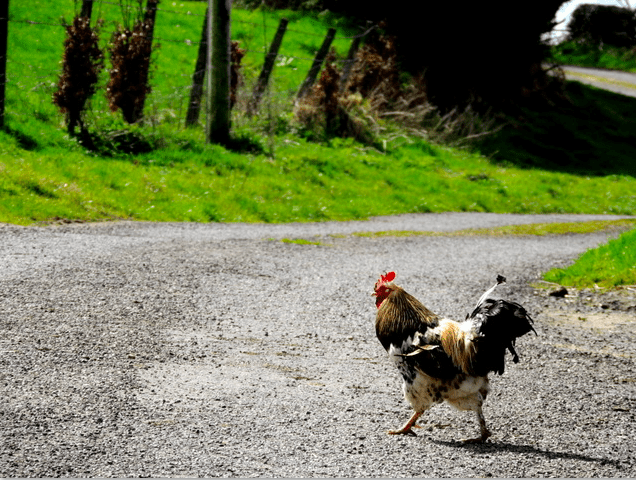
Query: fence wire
x=24, y=79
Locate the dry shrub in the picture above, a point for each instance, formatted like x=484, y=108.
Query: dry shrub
x=373, y=87
x=376, y=75
x=128, y=87
x=81, y=63
x=323, y=112
x=376, y=104
x=237, y=55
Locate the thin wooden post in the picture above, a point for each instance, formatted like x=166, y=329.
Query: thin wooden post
x=315, y=67
x=218, y=69
x=196, y=92
x=149, y=18
x=268, y=66
x=4, y=31
x=348, y=64
x=87, y=9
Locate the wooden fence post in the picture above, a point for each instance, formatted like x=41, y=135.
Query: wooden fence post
x=315, y=67
x=149, y=17
x=268, y=66
x=348, y=64
x=218, y=70
x=4, y=31
x=87, y=9
x=194, y=107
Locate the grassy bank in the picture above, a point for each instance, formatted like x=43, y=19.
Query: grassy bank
x=303, y=182
x=583, y=55
x=607, y=266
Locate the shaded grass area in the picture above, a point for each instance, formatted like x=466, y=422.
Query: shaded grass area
x=609, y=265
x=590, y=132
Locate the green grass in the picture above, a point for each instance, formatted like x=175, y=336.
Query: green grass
x=607, y=266
x=305, y=182
x=572, y=53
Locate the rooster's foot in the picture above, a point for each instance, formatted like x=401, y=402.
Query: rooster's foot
x=406, y=429
x=402, y=431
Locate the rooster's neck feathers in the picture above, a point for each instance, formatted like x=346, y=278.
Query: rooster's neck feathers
x=400, y=316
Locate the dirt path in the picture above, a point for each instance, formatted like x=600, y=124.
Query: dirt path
x=139, y=349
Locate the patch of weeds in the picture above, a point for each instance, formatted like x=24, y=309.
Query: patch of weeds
x=245, y=143
x=302, y=241
x=111, y=143
x=539, y=229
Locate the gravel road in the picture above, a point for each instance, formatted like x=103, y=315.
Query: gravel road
x=142, y=349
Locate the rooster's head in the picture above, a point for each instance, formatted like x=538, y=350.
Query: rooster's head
x=383, y=288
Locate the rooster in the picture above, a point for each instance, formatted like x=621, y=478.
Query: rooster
x=444, y=360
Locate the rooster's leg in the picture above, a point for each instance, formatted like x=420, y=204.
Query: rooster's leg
x=485, y=433
x=406, y=429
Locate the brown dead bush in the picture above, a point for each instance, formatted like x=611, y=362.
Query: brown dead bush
x=128, y=87
x=237, y=54
x=81, y=63
x=323, y=112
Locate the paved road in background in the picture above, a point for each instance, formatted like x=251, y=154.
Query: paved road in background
x=612, y=80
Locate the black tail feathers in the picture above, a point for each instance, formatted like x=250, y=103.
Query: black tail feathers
x=499, y=323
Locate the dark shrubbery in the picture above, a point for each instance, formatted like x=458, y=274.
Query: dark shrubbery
x=480, y=53
x=82, y=61
x=603, y=24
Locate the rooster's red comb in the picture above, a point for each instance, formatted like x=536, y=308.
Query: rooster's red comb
x=389, y=277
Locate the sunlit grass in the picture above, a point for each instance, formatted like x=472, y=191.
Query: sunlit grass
x=304, y=182
x=609, y=265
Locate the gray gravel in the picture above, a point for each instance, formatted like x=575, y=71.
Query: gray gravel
x=139, y=349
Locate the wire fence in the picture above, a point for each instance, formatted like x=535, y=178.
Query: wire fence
x=35, y=50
